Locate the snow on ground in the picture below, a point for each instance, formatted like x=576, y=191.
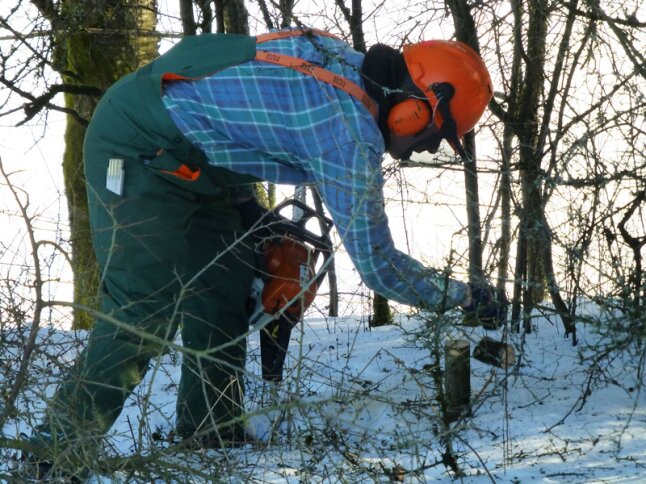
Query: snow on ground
x=361, y=407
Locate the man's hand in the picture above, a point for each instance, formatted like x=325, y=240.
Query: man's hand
x=485, y=305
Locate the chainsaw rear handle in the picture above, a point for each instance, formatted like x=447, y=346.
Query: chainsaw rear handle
x=298, y=229
x=265, y=223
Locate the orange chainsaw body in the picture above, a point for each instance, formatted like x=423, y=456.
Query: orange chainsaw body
x=290, y=267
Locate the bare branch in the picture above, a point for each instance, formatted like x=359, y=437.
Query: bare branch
x=28, y=349
x=37, y=103
x=265, y=14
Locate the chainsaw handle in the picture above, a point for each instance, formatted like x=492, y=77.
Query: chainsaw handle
x=308, y=212
x=297, y=228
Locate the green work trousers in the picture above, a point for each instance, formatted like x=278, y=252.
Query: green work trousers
x=172, y=256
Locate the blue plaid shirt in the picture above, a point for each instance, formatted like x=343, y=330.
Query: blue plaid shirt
x=288, y=128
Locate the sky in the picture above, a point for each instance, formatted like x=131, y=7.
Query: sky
x=32, y=156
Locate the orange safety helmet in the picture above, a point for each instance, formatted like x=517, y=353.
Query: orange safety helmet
x=435, y=65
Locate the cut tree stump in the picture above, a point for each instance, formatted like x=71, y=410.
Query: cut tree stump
x=457, y=379
x=494, y=353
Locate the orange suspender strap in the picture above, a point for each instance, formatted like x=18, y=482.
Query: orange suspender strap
x=302, y=66
x=280, y=34
x=283, y=34
x=321, y=74
x=310, y=69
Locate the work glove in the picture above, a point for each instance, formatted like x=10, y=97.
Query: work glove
x=488, y=307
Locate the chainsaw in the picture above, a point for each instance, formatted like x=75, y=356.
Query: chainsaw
x=292, y=264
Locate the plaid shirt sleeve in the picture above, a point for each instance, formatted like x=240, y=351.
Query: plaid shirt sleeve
x=287, y=128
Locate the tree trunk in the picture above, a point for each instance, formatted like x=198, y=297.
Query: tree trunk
x=381, y=312
x=505, y=211
x=535, y=261
x=287, y=12
x=331, y=271
x=95, y=59
x=457, y=379
x=235, y=17
x=476, y=273
x=188, y=19
x=465, y=31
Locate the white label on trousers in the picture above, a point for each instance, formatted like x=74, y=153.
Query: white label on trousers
x=114, y=178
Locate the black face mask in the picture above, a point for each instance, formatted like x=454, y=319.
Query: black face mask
x=402, y=147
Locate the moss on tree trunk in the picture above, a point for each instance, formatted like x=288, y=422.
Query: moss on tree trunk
x=98, y=58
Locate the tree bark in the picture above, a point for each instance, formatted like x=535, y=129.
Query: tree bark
x=331, y=272
x=94, y=59
x=457, y=380
x=505, y=211
x=381, y=311
x=188, y=19
x=232, y=17
x=465, y=31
